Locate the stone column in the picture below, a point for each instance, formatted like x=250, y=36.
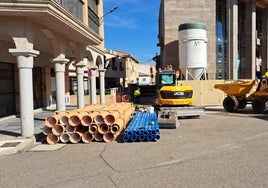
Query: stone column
x=264, y=40
x=249, y=68
x=60, y=82
x=232, y=37
x=80, y=86
x=102, y=85
x=93, y=97
x=25, y=66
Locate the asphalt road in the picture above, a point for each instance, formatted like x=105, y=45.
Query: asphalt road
x=218, y=149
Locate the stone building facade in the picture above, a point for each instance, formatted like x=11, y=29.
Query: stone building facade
x=236, y=35
x=39, y=41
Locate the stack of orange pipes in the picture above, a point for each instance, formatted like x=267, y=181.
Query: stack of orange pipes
x=99, y=122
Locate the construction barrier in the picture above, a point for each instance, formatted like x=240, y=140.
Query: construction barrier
x=143, y=127
x=100, y=122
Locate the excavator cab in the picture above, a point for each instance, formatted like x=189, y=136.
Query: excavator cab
x=166, y=78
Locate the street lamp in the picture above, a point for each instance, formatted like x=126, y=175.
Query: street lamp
x=109, y=12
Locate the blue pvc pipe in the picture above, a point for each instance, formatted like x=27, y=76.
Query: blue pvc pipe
x=157, y=137
x=141, y=137
x=143, y=126
x=134, y=138
x=125, y=138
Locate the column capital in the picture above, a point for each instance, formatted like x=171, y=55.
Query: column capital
x=23, y=52
x=101, y=70
x=80, y=69
x=60, y=60
x=79, y=65
x=93, y=68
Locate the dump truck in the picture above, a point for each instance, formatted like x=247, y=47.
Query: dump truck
x=240, y=93
x=174, y=100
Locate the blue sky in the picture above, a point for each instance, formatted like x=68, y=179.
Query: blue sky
x=132, y=28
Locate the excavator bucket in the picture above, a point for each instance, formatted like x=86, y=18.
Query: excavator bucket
x=168, y=117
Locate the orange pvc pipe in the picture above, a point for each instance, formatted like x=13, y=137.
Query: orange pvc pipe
x=103, y=128
x=46, y=130
x=118, y=126
x=58, y=129
x=64, y=137
x=108, y=137
x=112, y=116
x=86, y=119
x=81, y=129
x=93, y=128
x=87, y=137
x=64, y=118
x=98, y=137
x=128, y=115
x=100, y=118
x=52, y=120
x=124, y=109
x=70, y=129
x=114, y=128
x=74, y=119
x=52, y=139
x=75, y=137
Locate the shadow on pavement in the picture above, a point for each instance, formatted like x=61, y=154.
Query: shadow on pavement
x=9, y=133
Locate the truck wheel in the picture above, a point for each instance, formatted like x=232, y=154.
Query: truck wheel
x=258, y=105
x=230, y=103
x=242, y=104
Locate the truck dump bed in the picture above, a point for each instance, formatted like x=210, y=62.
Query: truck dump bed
x=236, y=88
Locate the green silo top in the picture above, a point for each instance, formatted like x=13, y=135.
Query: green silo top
x=195, y=25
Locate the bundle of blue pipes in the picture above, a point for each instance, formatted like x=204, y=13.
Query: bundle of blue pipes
x=143, y=127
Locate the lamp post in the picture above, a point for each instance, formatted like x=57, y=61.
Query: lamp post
x=102, y=71
x=109, y=12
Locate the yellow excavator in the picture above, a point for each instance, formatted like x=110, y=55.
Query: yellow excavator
x=170, y=93
x=174, y=100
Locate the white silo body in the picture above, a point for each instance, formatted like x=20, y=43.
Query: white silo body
x=193, y=50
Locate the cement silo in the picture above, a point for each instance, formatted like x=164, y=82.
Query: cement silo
x=193, y=50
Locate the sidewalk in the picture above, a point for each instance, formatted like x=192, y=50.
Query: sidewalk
x=10, y=131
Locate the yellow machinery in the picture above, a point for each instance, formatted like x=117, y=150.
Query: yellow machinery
x=175, y=96
x=174, y=100
x=240, y=93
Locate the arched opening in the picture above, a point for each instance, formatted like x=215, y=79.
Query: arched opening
x=8, y=88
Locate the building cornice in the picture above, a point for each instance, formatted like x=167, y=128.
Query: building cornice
x=53, y=16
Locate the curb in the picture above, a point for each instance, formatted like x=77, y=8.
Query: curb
x=8, y=147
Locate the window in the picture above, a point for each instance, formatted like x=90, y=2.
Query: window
x=121, y=67
x=167, y=79
x=93, y=4
x=75, y=7
x=93, y=18
x=114, y=67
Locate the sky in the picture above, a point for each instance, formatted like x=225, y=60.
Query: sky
x=132, y=28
